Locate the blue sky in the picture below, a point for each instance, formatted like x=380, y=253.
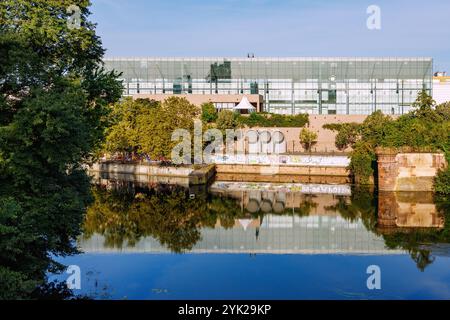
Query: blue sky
x=274, y=28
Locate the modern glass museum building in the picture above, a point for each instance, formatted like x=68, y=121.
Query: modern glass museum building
x=282, y=85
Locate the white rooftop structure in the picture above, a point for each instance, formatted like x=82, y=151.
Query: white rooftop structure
x=245, y=105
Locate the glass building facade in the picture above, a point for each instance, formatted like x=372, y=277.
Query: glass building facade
x=286, y=85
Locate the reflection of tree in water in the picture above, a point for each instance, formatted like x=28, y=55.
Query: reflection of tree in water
x=305, y=207
x=226, y=210
x=171, y=216
x=360, y=205
x=412, y=242
x=166, y=213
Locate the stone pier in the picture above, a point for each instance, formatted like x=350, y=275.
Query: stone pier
x=408, y=171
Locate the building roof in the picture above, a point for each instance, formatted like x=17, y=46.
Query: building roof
x=297, y=68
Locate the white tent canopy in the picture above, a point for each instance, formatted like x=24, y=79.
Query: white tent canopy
x=245, y=223
x=245, y=105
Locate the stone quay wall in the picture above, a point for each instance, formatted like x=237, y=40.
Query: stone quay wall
x=408, y=171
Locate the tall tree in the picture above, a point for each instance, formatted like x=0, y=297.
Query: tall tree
x=54, y=97
x=155, y=129
x=123, y=135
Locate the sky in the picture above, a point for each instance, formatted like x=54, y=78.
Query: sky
x=276, y=28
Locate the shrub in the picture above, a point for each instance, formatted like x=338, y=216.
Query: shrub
x=227, y=119
x=308, y=138
x=347, y=136
x=333, y=126
x=254, y=120
x=362, y=163
x=209, y=113
x=442, y=182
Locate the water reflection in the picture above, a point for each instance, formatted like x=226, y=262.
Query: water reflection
x=264, y=218
x=417, y=222
x=405, y=211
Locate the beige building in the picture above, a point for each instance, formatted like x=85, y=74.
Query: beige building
x=441, y=88
x=220, y=101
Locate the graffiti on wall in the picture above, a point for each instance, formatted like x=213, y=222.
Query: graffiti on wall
x=337, y=189
x=291, y=160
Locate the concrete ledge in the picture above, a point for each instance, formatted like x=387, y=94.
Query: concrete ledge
x=257, y=169
x=151, y=173
x=279, y=178
x=202, y=175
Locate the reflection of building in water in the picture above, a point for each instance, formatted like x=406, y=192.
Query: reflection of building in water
x=317, y=230
x=306, y=188
x=274, y=235
x=404, y=211
x=278, y=202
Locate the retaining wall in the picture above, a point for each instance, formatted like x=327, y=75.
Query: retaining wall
x=408, y=171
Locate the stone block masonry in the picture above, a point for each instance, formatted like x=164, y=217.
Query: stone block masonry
x=408, y=171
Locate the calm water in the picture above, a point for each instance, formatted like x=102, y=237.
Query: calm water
x=262, y=241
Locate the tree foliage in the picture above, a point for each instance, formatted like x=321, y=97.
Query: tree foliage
x=146, y=127
x=307, y=138
x=156, y=129
x=124, y=132
x=54, y=97
x=425, y=128
x=209, y=113
x=347, y=134
x=442, y=182
x=166, y=213
x=227, y=119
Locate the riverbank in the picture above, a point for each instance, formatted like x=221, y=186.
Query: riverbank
x=152, y=173
x=268, y=168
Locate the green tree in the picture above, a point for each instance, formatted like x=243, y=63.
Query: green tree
x=307, y=138
x=227, y=120
x=425, y=128
x=347, y=135
x=209, y=112
x=123, y=134
x=156, y=127
x=54, y=97
x=442, y=182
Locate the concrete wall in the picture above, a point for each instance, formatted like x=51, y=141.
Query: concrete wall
x=280, y=178
x=141, y=169
x=282, y=170
x=141, y=172
x=326, y=138
x=269, y=201
x=408, y=171
x=198, y=99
